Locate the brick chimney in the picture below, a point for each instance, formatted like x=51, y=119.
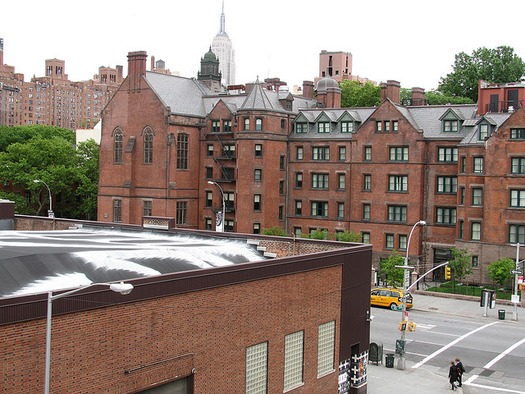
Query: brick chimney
x=136, y=68
x=418, y=96
x=308, y=89
x=391, y=90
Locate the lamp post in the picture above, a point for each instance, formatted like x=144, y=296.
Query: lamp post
x=516, y=271
x=50, y=212
x=122, y=288
x=219, y=221
x=406, y=278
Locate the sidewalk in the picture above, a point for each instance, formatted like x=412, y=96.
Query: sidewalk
x=427, y=378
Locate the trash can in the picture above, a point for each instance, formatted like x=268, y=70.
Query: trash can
x=501, y=314
x=389, y=360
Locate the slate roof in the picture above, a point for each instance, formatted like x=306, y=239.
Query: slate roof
x=40, y=261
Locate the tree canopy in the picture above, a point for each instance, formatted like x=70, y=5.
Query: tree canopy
x=498, y=65
x=357, y=94
x=499, y=271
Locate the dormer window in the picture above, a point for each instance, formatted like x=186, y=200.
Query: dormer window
x=483, y=132
x=323, y=127
x=347, y=127
x=451, y=126
x=300, y=128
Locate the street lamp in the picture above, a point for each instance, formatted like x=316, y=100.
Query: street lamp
x=219, y=221
x=122, y=288
x=406, y=278
x=50, y=212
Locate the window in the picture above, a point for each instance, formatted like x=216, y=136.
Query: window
x=256, y=228
x=461, y=229
x=366, y=212
x=389, y=241
x=386, y=126
x=228, y=225
x=450, y=126
x=397, y=183
x=293, y=360
x=517, y=165
x=398, y=153
x=182, y=151
x=320, y=209
x=448, y=155
x=326, y=348
x=228, y=151
x=182, y=213
x=474, y=261
x=227, y=126
x=347, y=127
x=447, y=184
x=395, y=126
x=257, y=369
x=342, y=153
x=281, y=212
x=323, y=127
x=477, y=196
x=367, y=182
x=209, y=172
x=365, y=237
x=215, y=126
x=147, y=208
x=148, y=146
x=209, y=199
x=299, y=153
x=208, y=223
x=319, y=181
x=301, y=128
x=379, y=126
x=446, y=216
x=397, y=213
x=340, y=210
x=299, y=179
x=462, y=195
x=517, y=198
x=281, y=162
x=297, y=232
x=258, y=150
x=483, y=132
x=117, y=210
x=321, y=153
x=367, y=153
x=229, y=199
x=258, y=124
x=117, y=147
x=517, y=233
x=257, y=174
x=209, y=151
x=517, y=134
x=341, y=181
x=475, y=231
x=463, y=168
x=257, y=202
x=246, y=123
x=402, y=242
x=281, y=187
x=298, y=207
x=478, y=165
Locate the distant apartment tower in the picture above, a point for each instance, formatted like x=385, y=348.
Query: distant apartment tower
x=337, y=65
x=222, y=47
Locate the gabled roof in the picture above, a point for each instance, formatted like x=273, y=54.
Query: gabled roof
x=258, y=99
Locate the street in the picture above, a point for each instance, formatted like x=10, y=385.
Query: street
x=492, y=350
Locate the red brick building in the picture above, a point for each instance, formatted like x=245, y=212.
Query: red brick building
x=174, y=147
x=292, y=323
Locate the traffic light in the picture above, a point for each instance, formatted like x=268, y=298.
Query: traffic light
x=447, y=273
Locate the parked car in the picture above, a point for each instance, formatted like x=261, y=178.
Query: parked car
x=390, y=297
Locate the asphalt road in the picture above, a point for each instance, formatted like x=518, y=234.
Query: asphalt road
x=492, y=349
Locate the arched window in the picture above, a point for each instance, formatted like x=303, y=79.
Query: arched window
x=148, y=146
x=117, y=146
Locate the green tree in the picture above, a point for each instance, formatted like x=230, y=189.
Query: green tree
x=388, y=271
x=460, y=264
x=436, y=97
x=348, y=236
x=87, y=155
x=316, y=234
x=497, y=65
x=275, y=231
x=499, y=271
x=357, y=94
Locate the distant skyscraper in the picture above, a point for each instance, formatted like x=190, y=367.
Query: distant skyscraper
x=222, y=47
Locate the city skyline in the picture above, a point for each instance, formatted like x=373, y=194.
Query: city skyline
x=399, y=41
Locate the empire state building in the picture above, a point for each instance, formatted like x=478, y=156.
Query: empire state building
x=221, y=46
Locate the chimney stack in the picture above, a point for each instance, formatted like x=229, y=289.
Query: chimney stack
x=418, y=96
x=391, y=90
x=308, y=89
x=136, y=68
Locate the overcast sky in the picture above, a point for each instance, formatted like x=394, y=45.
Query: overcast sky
x=410, y=41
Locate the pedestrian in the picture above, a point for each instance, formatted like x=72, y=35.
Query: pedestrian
x=452, y=375
x=460, y=370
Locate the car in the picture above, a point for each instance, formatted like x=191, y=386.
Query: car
x=390, y=297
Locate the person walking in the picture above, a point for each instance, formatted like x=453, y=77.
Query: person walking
x=460, y=370
x=452, y=375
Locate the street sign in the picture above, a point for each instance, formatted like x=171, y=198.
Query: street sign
x=516, y=272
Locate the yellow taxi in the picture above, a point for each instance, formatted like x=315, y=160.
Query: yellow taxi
x=390, y=297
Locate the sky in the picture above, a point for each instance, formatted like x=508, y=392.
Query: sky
x=413, y=42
